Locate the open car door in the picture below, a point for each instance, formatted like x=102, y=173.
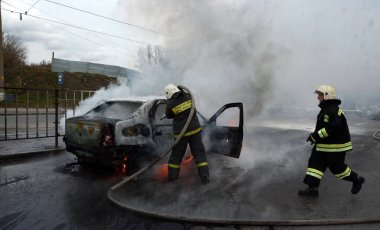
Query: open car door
x=223, y=133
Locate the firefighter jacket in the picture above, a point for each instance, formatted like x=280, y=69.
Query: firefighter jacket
x=331, y=132
x=178, y=108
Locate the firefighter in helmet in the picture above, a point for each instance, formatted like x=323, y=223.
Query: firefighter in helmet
x=178, y=109
x=331, y=139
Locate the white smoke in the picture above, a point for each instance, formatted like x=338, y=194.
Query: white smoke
x=121, y=90
x=258, y=52
x=220, y=59
x=267, y=52
x=263, y=53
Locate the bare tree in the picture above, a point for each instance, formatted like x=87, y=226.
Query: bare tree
x=14, y=50
x=151, y=55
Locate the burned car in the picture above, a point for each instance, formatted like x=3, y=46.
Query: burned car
x=116, y=131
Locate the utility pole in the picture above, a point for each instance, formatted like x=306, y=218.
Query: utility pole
x=1, y=60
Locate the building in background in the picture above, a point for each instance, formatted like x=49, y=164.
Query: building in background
x=61, y=65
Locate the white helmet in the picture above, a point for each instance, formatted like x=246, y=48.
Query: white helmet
x=328, y=92
x=170, y=90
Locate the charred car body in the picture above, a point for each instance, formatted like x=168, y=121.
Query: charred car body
x=117, y=131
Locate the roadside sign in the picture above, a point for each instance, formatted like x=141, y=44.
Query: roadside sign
x=60, y=78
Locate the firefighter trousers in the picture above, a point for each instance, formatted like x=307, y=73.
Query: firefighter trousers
x=197, y=150
x=320, y=161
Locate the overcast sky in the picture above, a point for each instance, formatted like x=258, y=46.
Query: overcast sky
x=68, y=42
x=259, y=52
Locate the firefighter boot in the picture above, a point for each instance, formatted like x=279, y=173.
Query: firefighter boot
x=357, y=184
x=204, y=174
x=309, y=191
x=205, y=179
x=173, y=173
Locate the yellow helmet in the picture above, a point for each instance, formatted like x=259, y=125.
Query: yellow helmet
x=170, y=90
x=328, y=92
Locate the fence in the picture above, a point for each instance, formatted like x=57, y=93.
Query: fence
x=71, y=98
x=35, y=113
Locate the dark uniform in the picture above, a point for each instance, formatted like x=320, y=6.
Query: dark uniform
x=178, y=108
x=332, y=140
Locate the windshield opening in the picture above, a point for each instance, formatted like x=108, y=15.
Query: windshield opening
x=115, y=109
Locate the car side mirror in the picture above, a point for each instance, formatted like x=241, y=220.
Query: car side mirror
x=158, y=132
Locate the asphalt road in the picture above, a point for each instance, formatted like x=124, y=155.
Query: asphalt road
x=52, y=193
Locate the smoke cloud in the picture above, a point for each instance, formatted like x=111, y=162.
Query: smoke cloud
x=262, y=53
x=220, y=59
x=265, y=53
x=219, y=51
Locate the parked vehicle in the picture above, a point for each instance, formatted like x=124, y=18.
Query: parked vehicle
x=116, y=131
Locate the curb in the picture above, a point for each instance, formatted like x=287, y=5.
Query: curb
x=270, y=223
x=374, y=135
x=29, y=154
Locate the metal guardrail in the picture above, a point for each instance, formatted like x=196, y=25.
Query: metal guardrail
x=28, y=113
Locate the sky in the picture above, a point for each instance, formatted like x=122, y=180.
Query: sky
x=70, y=42
x=261, y=52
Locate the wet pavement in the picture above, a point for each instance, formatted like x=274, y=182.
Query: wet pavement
x=52, y=192
x=262, y=185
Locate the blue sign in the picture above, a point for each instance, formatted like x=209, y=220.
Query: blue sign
x=60, y=78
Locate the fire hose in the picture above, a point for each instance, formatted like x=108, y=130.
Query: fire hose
x=374, y=135
x=141, y=171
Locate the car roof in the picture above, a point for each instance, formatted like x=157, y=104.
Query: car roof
x=132, y=99
x=138, y=99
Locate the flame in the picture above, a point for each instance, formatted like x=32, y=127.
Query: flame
x=188, y=159
x=124, y=165
x=161, y=171
x=121, y=169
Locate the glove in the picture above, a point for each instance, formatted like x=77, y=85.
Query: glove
x=311, y=139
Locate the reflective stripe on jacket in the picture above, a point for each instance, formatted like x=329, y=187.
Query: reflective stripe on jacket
x=331, y=132
x=178, y=108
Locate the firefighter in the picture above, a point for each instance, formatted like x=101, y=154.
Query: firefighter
x=331, y=140
x=178, y=109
